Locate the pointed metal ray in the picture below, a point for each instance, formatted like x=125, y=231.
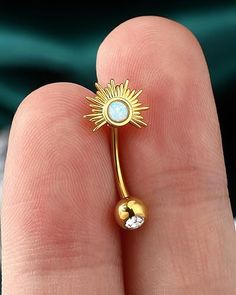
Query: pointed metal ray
x=100, y=89
x=139, y=122
x=113, y=87
x=135, y=124
x=141, y=109
x=122, y=90
x=96, y=111
x=138, y=117
x=115, y=91
x=95, y=106
x=95, y=100
x=101, y=97
x=118, y=90
x=95, y=119
x=91, y=115
x=136, y=95
x=134, y=102
x=127, y=93
x=125, y=88
x=138, y=104
x=131, y=94
x=99, y=120
x=110, y=89
x=99, y=126
x=108, y=92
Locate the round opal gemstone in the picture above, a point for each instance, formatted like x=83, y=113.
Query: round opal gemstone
x=118, y=111
x=134, y=222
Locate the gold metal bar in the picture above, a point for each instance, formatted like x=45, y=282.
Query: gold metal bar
x=116, y=164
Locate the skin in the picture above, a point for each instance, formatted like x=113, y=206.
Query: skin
x=58, y=231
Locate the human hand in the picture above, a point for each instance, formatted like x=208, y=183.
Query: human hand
x=58, y=231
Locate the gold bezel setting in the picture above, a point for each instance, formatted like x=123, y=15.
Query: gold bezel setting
x=108, y=118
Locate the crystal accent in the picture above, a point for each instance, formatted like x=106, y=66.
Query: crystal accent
x=134, y=222
x=118, y=111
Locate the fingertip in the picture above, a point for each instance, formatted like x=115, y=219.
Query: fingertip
x=143, y=41
x=52, y=96
x=45, y=107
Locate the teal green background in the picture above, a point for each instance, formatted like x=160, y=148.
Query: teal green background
x=40, y=45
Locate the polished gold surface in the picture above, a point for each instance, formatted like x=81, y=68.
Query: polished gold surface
x=127, y=208
x=116, y=164
x=116, y=106
x=114, y=93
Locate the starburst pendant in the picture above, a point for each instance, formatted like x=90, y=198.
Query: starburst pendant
x=116, y=105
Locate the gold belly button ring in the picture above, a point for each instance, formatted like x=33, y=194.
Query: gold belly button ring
x=116, y=106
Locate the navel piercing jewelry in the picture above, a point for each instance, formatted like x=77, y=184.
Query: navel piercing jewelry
x=116, y=106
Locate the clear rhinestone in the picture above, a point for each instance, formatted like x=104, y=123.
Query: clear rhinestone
x=118, y=111
x=134, y=222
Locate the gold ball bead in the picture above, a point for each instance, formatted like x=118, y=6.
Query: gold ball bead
x=130, y=213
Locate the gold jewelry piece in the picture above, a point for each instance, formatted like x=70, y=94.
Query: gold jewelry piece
x=116, y=106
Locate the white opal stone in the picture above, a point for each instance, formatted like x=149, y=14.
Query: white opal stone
x=118, y=111
x=134, y=222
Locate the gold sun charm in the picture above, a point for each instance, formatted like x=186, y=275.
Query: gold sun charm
x=116, y=105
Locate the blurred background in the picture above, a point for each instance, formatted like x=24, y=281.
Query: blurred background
x=44, y=44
